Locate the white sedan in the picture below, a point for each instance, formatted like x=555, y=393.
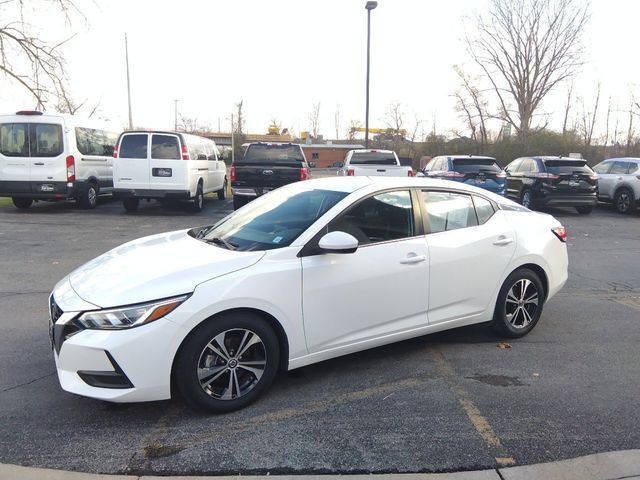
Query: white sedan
x=311, y=271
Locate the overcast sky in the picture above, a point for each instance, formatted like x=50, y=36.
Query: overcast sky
x=279, y=57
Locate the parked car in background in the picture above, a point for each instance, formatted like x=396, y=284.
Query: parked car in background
x=167, y=165
x=373, y=163
x=54, y=156
x=309, y=272
x=483, y=172
x=265, y=167
x=619, y=183
x=552, y=181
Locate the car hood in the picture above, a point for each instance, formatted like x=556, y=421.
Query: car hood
x=154, y=267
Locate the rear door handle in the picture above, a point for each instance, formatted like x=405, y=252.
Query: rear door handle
x=413, y=258
x=502, y=241
x=38, y=163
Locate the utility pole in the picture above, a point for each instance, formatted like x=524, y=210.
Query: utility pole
x=175, y=115
x=369, y=6
x=126, y=52
x=233, y=143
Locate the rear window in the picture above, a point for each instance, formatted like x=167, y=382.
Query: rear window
x=133, y=146
x=470, y=165
x=273, y=153
x=31, y=140
x=165, y=147
x=373, y=158
x=567, y=166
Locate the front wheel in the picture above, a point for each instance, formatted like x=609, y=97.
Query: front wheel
x=22, y=203
x=624, y=201
x=227, y=362
x=584, y=210
x=519, y=304
x=130, y=204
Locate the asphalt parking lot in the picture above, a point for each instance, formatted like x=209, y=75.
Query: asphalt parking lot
x=457, y=400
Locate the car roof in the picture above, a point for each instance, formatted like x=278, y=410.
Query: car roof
x=623, y=159
x=473, y=157
x=371, y=150
x=544, y=158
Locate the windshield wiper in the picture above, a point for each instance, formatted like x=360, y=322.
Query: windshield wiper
x=221, y=241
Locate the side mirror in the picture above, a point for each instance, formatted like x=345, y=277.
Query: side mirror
x=338, y=242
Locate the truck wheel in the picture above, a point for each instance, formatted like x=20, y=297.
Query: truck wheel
x=89, y=199
x=22, y=203
x=222, y=193
x=130, y=204
x=239, y=202
x=198, y=200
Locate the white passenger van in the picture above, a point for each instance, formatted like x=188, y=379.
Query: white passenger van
x=54, y=156
x=167, y=165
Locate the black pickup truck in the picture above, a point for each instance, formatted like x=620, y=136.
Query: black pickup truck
x=265, y=167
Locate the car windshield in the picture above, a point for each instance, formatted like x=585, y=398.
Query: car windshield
x=373, y=158
x=466, y=165
x=567, y=166
x=273, y=153
x=272, y=221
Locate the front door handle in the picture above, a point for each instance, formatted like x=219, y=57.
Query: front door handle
x=413, y=258
x=502, y=241
x=38, y=163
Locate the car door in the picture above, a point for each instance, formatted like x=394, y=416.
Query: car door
x=470, y=245
x=15, y=164
x=131, y=170
x=167, y=171
x=47, y=152
x=513, y=179
x=617, y=176
x=380, y=289
x=605, y=180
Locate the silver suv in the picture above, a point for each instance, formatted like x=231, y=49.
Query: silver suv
x=619, y=182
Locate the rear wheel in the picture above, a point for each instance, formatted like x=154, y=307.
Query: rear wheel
x=130, y=204
x=198, y=201
x=222, y=193
x=584, y=210
x=89, y=199
x=22, y=203
x=525, y=200
x=624, y=201
x=519, y=304
x=239, y=202
x=226, y=363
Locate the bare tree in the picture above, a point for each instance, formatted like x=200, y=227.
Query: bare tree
x=605, y=142
x=630, y=130
x=336, y=121
x=525, y=48
x=566, y=109
x=314, y=120
x=472, y=104
x=589, y=120
x=239, y=120
x=352, y=129
x=188, y=124
x=34, y=64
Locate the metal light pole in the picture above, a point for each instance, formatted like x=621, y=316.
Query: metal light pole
x=126, y=53
x=175, y=115
x=369, y=6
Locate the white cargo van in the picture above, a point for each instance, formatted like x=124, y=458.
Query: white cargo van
x=53, y=156
x=167, y=165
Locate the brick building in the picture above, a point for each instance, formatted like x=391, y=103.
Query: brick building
x=326, y=155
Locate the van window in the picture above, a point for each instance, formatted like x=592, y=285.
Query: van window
x=13, y=139
x=133, y=146
x=95, y=142
x=165, y=147
x=45, y=140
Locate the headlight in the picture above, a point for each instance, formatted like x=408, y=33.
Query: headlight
x=131, y=316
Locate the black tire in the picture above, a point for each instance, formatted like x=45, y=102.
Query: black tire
x=198, y=201
x=226, y=376
x=624, y=201
x=585, y=209
x=131, y=204
x=22, y=203
x=525, y=199
x=89, y=198
x=222, y=193
x=514, y=317
x=239, y=202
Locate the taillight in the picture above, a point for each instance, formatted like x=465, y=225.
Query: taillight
x=304, y=173
x=350, y=172
x=547, y=176
x=71, y=169
x=115, y=151
x=453, y=174
x=410, y=173
x=501, y=175
x=560, y=232
x=232, y=173
x=185, y=152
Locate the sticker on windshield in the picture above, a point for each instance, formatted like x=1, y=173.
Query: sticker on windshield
x=277, y=240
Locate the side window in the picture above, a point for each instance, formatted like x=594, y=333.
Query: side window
x=513, y=166
x=14, y=139
x=380, y=218
x=165, y=147
x=484, y=209
x=619, y=168
x=526, y=166
x=603, y=167
x=45, y=140
x=133, y=146
x=429, y=166
x=449, y=211
x=633, y=167
x=110, y=140
x=315, y=156
x=90, y=141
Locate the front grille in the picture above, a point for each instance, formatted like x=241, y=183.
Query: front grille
x=54, y=310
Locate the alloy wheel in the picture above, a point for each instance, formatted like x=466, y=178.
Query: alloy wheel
x=526, y=199
x=521, y=303
x=232, y=364
x=623, y=202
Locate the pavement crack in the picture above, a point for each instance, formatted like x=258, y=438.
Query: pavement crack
x=27, y=383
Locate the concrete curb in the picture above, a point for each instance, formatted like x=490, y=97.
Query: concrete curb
x=624, y=464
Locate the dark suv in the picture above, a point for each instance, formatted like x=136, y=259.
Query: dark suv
x=265, y=167
x=552, y=181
